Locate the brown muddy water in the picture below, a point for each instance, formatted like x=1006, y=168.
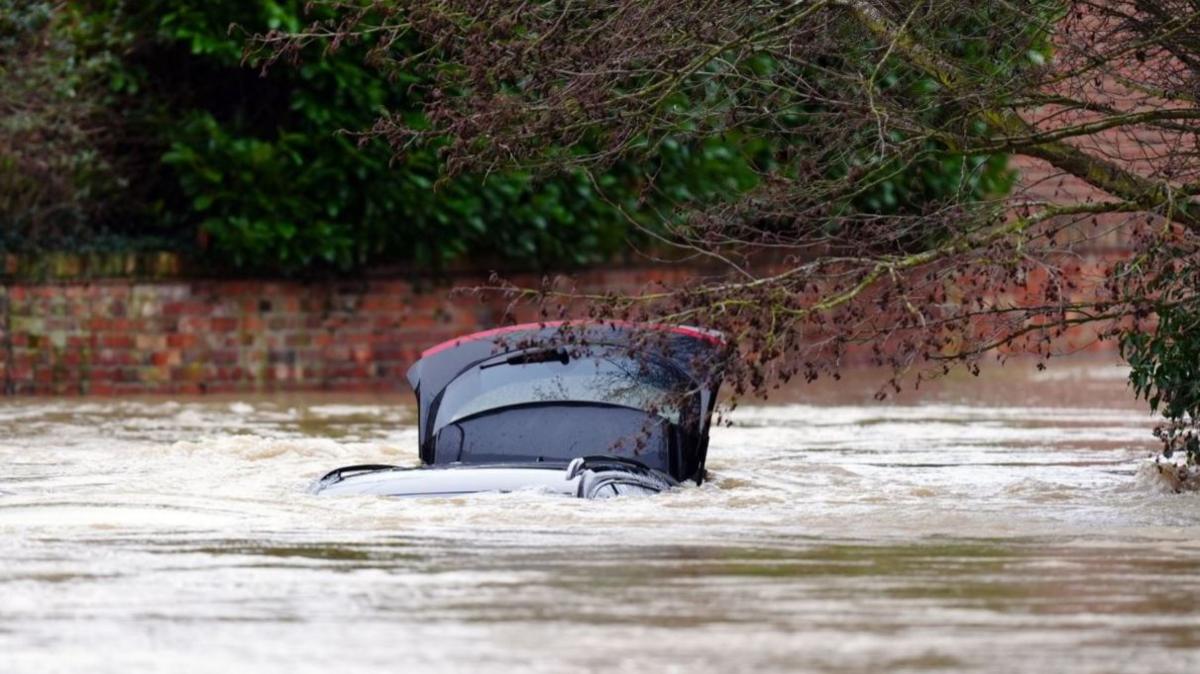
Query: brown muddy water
x=1010, y=526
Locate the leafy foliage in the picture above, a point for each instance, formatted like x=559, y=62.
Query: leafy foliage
x=196, y=144
x=257, y=161
x=882, y=186
x=54, y=175
x=1163, y=351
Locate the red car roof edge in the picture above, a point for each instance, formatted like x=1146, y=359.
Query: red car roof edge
x=699, y=333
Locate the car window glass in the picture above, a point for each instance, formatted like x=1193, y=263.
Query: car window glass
x=603, y=378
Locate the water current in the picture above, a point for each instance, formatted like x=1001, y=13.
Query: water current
x=1009, y=524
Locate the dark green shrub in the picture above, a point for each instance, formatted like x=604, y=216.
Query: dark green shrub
x=189, y=147
x=54, y=178
x=257, y=167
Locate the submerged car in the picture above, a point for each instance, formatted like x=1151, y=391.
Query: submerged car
x=589, y=410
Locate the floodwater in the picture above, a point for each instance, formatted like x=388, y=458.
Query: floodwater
x=1004, y=525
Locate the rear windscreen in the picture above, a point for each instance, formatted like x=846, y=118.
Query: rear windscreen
x=609, y=377
x=556, y=432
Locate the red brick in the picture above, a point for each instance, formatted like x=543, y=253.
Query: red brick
x=186, y=308
x=117, y=341
x=221, y=356
x=114, y=357
x=181, y=341
x=166, y=358
x=248, y=335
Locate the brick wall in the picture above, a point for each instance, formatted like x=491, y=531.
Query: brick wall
x=63, y=335
x=202, y=336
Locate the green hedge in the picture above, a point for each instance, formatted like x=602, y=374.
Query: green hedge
x=201, y=152
x=258, y=169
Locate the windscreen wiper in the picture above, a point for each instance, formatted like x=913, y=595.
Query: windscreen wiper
x=559, y=355
x=338, y=474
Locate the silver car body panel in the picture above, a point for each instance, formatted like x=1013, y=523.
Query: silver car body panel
x=592, y=477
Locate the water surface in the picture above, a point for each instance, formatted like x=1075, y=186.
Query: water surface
x=1004, y=527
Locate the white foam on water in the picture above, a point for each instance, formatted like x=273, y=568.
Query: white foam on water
x=952, y=536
